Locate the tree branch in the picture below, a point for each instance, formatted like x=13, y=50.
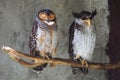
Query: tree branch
x=17, y=56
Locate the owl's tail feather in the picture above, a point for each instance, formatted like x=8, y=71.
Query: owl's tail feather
x=40, y=68
x=84, y=70
x=76, y=70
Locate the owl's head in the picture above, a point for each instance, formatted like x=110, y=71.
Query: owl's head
x=47, y=16
x=84, y=17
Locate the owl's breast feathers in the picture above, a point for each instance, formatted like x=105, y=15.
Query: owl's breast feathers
x=82, y=41
x=43, y=38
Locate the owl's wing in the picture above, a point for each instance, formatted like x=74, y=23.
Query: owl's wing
x=32, y=39
x=71, y=36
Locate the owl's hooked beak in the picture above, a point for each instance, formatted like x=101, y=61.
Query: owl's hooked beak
x=87, y=22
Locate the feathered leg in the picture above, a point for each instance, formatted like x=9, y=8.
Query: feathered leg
x=76, y=70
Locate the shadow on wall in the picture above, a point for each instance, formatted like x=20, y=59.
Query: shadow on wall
x=114, y=39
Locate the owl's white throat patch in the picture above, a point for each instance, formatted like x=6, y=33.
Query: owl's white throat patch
x=79, y=21
x=49, y=23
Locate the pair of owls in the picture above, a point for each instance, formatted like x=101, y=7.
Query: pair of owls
x=43, y=40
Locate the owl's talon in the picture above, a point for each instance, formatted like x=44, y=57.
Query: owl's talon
x=84, y=63
x=47, y=57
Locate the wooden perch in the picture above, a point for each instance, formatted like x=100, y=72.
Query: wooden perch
x=16, y=55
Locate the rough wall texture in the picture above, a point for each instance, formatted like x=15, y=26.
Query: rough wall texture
x=16, y=18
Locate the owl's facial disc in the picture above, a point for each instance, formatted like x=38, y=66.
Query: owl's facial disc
x=86, y=22
x=43, y=16
x=79, y=21
x=51, y=16
x=49, y=19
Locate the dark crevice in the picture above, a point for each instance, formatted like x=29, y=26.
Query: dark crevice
x=114, y=39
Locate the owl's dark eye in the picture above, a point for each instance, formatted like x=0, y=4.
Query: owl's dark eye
x=43, y=16
x=51, y=16
x=85, y=17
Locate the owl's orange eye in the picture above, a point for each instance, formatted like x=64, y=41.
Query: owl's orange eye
x=51, y=16
x=43, y=16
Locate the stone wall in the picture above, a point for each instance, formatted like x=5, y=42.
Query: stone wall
x=16, y=17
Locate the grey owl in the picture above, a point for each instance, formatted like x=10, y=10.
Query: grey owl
x=82, y=39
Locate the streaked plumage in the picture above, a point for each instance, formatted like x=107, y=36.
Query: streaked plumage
x=43, y=38
x=82, y=39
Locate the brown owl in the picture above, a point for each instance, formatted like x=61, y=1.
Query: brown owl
x=43, y=39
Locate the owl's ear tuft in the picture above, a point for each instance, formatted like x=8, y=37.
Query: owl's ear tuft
x=76, y=15
x=93, y=13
